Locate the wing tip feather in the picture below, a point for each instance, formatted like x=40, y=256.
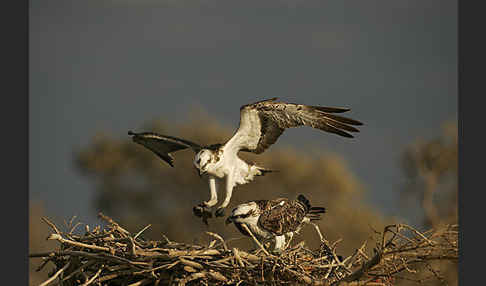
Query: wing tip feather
x=331, y=109
x=337, y=131
x=258, y=102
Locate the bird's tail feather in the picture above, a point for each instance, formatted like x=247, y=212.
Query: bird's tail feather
x=265, y=171
x=301, y=198
x=317, y=210
x=313, y=213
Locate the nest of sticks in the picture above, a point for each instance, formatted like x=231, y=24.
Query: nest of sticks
x=114, y=256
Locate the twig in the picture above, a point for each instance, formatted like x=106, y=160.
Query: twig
x=100, y=256
x=321, y=238
x=256, y=240
x=112, y=222
x=59, y=238
x=44, y=262
x=237, y=257
x=191, y=263
x=55, y=275
x=87, y=264
x=358, y=273
x=53, y=226
x=217, y=236
x=74, y=227
x=418, y=234
x=141, y=282
x=93, y=278
x=168, y=262
x=140, y=232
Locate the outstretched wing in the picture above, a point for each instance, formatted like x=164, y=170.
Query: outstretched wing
x=163, y=145
x=262, y=122
x=282, y=217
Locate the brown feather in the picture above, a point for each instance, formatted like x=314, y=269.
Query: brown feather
x=343, y=119
x=275, y=117
x=330, y=109
x=269, y=134
x=283, y=218
x=340, y=125
x=280, y=219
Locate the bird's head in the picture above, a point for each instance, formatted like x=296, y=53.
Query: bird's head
x=245, y=213
x=202, y=159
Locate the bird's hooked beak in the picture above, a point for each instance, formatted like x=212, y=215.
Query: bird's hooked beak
x=199, y=172
x=228, y=220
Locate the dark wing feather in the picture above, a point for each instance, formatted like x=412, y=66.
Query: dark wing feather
x=270, y=131
x=282, y=218
x=313, y=213
x=262, y=122
x=163, y=145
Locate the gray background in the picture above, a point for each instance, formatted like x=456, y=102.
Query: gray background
x=110, y=66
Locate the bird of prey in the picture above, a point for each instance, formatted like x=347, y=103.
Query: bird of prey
x=274, y=220
x=261, y=123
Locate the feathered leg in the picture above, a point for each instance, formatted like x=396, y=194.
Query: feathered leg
x=214, y=195
x=204, y=209
x=230, y=183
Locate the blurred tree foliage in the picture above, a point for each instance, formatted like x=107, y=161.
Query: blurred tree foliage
x=431, y=168
x=431, y=171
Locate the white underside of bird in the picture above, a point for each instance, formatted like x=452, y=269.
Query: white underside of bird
x=233, y=171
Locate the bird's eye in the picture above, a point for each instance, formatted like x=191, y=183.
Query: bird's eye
x=198, y=160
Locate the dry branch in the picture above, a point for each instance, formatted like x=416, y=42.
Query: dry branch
x=114, y=256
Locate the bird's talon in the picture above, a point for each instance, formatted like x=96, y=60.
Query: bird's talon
x=208, y=204
x=198, y=211
x=201, y=210
x=219, y=212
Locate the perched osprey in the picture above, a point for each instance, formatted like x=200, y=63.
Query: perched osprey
x=261, y=123
x=274, y=219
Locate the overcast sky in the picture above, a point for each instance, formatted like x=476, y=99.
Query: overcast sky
x=110, y=66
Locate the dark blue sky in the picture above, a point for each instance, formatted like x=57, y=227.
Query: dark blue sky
x=110, y=66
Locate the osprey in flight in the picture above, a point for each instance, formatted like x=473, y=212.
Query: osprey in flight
x=261, y=123
x=274, y=219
